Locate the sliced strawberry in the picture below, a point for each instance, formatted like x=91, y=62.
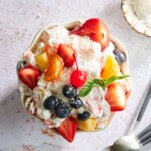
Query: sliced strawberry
x=116, y=97
x=29, y=76
x=96, y=30
x=102, y=38
x=67, y=53
x=68, y=128
x=90, y=26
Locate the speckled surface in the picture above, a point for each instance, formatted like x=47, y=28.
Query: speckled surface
x=19, y=21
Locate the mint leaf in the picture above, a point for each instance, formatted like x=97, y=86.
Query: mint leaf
x=112, y=79
x=86, y=89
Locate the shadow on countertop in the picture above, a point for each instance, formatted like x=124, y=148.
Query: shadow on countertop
x=19, y=131
x=12, y=113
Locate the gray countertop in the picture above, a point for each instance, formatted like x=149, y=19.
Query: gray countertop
x=19, y=21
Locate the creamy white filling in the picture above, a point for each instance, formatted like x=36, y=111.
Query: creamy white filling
x=43, y=113
x=58, y=35
x=29, y=57
x=39, y=95
x=40, y=47
x=109, y=50
x=93, y=101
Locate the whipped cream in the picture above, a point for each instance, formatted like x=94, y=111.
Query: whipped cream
x=89, y=58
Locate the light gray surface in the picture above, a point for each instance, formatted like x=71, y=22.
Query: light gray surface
x=19, y=21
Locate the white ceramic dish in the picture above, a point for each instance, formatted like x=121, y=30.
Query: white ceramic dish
x=139, y=25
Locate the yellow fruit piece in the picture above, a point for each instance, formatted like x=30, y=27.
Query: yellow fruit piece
x=87, y=125
x=111, y=68
x=42, y=61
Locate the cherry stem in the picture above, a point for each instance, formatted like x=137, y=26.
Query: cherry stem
x=76, y=62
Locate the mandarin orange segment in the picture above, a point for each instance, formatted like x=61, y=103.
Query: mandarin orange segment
x=55, y=68
x=111, y=68
x=87, y=125
x=42, y=61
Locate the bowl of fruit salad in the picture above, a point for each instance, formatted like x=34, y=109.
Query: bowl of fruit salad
x=74, y=77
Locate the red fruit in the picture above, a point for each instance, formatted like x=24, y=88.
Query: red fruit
x=29, y=76
x=67, y=53
x=96, y=30
x=68, y=128
x=116, y=97
x=47, y=48
x=78, y=78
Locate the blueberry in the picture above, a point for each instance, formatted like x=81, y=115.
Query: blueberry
x=83, y=116
x=21, y=64
x=62, y=110
x=119, y=56
x=69, y=91
x=50, y=102
x=76, y=102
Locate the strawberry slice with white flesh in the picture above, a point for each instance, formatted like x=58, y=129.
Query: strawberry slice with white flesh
x=96, y=30
x=67, y=53
x=116, y=97
x=68, y=129
x=29, y=76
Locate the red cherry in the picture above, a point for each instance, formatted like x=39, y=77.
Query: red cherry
x=78, y=78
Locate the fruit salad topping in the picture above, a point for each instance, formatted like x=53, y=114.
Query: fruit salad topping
x=72, y=78
x=21, y=64
x=87, y=125
x=29, y=76
x=111, y=68
x=55, y=68
x=68, y=128
x=50, y=102
x=62, y=110
x=69, y=91
x=42, y=61
x=84, y=116
x=119, y=56
x=96, y=30
x=78, y=77
x=76, y=102
x=67, y=53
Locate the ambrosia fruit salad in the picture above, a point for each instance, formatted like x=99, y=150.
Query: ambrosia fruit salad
x=74, y=77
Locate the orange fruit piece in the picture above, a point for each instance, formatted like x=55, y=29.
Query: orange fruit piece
x=46, y=48
x=42, y=61
x=111, y=68
x=55, y=68
x=87, y=125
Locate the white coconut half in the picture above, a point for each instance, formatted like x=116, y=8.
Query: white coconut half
x=138, y=15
